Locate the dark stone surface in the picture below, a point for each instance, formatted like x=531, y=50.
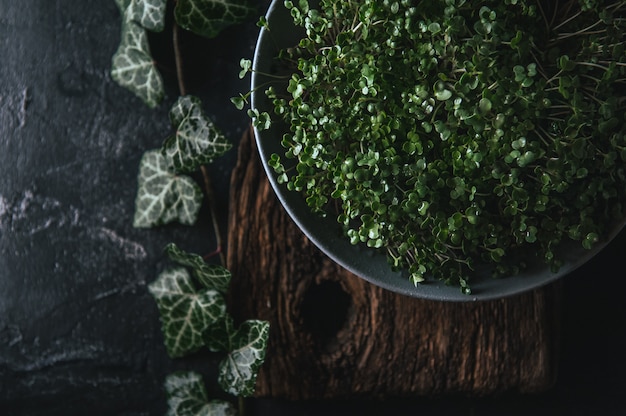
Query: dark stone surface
x=78, y=330
x=79, y=334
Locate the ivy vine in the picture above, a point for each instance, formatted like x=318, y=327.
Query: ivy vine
x=190, y=294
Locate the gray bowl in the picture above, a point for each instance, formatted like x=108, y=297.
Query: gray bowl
x=326, y=233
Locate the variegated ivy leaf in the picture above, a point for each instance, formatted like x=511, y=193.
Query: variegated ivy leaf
x=132, y=65
x=122, y=5
x=217, y=337
x=185, y=312
x=246, y=352
x=150, y=14
x=208, y=17
x=186, y=396
x=162, y=195
x=197, y=141
x=239, y=370
x=210, y=276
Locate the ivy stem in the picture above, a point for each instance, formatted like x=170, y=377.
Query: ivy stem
x=242, y=405
x=179, y=60
x=210, y=196
x=208, y=185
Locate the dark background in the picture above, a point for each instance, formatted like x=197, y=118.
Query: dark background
x=79, y=333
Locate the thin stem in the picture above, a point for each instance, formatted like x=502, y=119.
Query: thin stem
x=586, y=31
x=543, y=135
x=594, y=65
x=543, y=15
x=179, y=60
x=554, y=77
x=613, y=62
x=208, y=186
x=554, y=13
x=539, y=67
x=210, y=196
x=242, y=405
x=569, y=19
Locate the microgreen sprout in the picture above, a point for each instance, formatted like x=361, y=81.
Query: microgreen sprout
x=454, y=134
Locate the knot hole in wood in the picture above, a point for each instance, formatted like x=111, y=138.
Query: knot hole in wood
x=325, y=306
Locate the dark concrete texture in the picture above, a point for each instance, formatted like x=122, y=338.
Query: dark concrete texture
x=78, y=330
x=79, y=333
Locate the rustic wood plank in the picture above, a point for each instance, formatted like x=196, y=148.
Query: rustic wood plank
x=335, y=335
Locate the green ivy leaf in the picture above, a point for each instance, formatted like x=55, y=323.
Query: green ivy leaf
x=122, y=5
x=217, y=337
x=150, y=14
x=186, y=396
x=132, y=65
x=239, y=370
x=197, y=141
x=185, y=313
x=210, y=276
x=163, y=196
x=208, y=17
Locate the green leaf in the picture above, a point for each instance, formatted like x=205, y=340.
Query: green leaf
x=149, y=14
x=238, y=371
x=197, y=141
x=484, y=105
x=443, y=95
x=210, y=276
x=246, y=66
x=209, y=17
x=122, y=5
x=217, y=337
x=262, y=22
x=434, y=28
x=185, y=313
x=238, y=101
x=261, y=121
x=132, y=65
x=186, y=396
x=589, y=240
x=163, y=196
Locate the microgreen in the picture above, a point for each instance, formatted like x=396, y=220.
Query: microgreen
x=455, y=134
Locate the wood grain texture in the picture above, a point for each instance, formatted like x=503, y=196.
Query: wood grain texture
x=334, y=335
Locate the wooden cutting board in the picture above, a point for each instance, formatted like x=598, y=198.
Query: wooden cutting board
x=334, y=335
